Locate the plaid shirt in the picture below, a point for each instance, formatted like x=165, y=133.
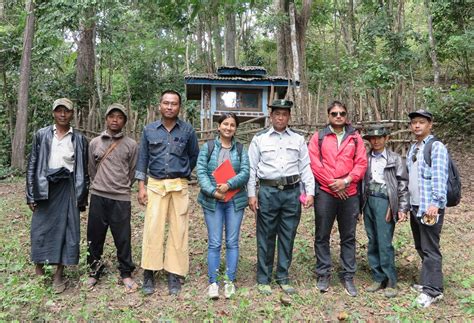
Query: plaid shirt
x=432, y=181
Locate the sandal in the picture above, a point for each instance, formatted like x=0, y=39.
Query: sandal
x=91, y=282
x=130, y=287
x=60, y=287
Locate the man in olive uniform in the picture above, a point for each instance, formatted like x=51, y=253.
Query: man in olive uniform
x=280, y=164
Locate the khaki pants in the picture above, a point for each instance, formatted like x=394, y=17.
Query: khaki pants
x=163, y=206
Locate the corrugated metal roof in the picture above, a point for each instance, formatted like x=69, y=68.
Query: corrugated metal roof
x=234, y=78
x=243, y=68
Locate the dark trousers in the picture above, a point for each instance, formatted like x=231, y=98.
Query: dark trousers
x=327, y=209
x=278, y=217
x=427, y=245
x=380, y=251
x=105, y=213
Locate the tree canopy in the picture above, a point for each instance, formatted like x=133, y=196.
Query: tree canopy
x=375, y=55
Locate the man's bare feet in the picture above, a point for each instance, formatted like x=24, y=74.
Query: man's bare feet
x=39, y=269
x=130, y=285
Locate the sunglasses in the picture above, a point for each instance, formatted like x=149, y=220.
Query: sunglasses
x=413, y=157
x=341, y=113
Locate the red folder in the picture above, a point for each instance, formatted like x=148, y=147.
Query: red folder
x=222, y=174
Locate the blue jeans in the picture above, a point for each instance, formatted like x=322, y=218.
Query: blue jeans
x=224, y=215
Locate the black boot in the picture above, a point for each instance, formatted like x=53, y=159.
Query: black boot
x=148, y=282
x=174, y=284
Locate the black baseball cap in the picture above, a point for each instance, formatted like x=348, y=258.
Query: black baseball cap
x=421, y=113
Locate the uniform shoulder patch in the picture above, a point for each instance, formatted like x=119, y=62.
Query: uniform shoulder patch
x=262, y=132
x=298, y=132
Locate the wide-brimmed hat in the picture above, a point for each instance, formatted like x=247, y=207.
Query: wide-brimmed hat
x=281, y=104
x=117, y=106
x=376, y=131
x=65, y=102
x=421, y=113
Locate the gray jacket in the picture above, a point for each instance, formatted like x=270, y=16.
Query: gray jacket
x=396, y=178
x=37, y=185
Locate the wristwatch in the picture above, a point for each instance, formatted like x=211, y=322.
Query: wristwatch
x=346, y=182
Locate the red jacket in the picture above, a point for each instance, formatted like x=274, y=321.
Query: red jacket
x=333, y=163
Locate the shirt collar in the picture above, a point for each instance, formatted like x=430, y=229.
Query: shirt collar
x=108, y=135
x=159, y=123
x=342, y=133
x=272, y=130
x=383, y=154
x=68, y=132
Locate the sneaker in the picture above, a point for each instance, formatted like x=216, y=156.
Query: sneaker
x=349, y=287
x=375, y=287
x=417, y=288
x=390, y=292
x=264, y=289
x=288, y=289
x=229, y=289
x=323, y=283
x=213, y=291
x=425, y=300
x=174, y=284
x=148, y=287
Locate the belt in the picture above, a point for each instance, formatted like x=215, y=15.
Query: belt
x=283, y=183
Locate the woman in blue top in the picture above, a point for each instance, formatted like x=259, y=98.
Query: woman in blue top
x=217, y=213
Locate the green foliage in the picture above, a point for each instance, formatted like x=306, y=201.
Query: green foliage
x=453, y=109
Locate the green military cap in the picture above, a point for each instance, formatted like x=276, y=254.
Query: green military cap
x=118, y=107
x=376, y=131
x=281, y=104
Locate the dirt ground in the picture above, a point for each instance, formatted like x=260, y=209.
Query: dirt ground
x=25, y=297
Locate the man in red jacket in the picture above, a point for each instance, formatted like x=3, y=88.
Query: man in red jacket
x=338, y=161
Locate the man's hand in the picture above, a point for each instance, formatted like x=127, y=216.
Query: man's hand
x=402, y=216
x=342, y=194
x=388, y=215
x=142, y=194
x=222, y=188
x=337, y=185
x=253, y=204
x=32, y=206
x=432, y=211
x=309, y=201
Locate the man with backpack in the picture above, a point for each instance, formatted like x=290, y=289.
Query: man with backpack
x=338, y=161
x=428, y=190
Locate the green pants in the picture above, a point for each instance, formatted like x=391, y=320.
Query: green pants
x=278, y=217
x=380, y=252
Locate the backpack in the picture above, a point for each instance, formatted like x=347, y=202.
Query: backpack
x=453, y=194
x=211, y=144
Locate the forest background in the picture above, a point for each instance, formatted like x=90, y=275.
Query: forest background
x=384, y=58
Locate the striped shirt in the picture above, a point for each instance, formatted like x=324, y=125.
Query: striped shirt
x=432, y=181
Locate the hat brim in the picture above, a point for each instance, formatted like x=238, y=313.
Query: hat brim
x=279, y=107
x=418, y=114
x=370, y=136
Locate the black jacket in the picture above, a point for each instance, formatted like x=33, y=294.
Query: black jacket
x=396, y=178
x=37, y=185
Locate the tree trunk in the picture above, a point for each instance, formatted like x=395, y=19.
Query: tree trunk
x=216, y=35
x=433, y=55
x=2, y=9
x=230, y=36
x=280, y=37
x=85, y=66
x=19, y=138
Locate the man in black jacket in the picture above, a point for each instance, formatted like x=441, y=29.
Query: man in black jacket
x=56, y=190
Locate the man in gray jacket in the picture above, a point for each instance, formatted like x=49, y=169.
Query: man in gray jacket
x=112, y=161
x=385, y=202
